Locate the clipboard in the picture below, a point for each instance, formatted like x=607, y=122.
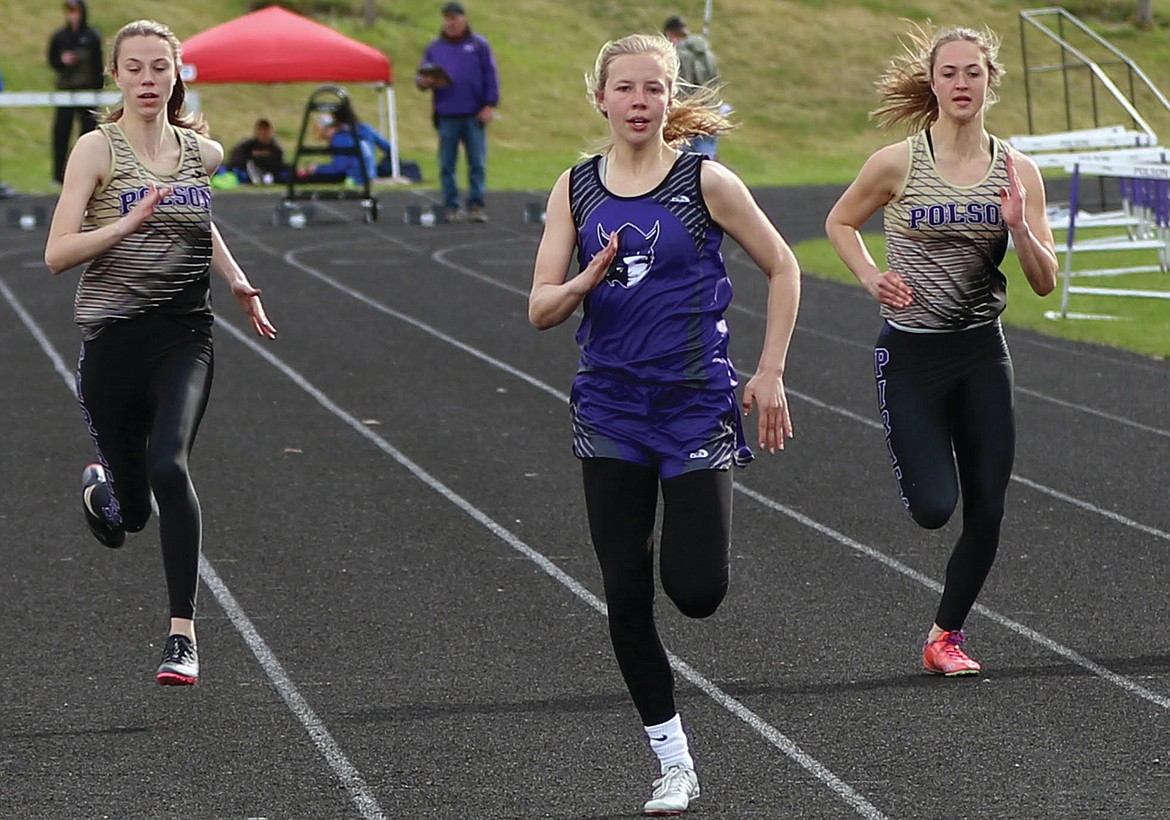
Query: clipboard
x=436, y=74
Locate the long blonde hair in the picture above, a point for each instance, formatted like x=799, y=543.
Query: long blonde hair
x=698, y=114
x=904, y=88
x=175, y=114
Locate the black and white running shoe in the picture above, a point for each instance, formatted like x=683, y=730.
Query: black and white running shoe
x=92, y=502
x=180, y=663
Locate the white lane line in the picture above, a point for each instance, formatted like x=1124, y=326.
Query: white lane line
x=1079, y=503
x=1093, y=508
x=1081, y=408
x=830, y=408
x=768, y=732
x=1024, y=391
x=1119, y=358
x=35, y=330
x=764, y=729
x=440, y=256
x=290, y=258
x=345, y=771
x=1003, y=620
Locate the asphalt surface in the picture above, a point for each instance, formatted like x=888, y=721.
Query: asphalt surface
x=400, y=613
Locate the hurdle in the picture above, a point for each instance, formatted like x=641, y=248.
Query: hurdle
x=1146, y=195
x=1113, y=143
x=1056, y=149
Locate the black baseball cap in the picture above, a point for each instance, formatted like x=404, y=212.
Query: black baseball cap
x=674, y=23
x=453, y=8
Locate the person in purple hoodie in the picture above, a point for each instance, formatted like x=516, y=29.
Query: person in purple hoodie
x=459, y=68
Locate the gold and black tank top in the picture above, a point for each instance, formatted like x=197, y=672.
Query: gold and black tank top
x=947, y=241
x=164, y=265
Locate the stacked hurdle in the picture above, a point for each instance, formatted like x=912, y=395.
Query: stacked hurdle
x=1128, y=160
x=1145, y=214
x=1113, y=143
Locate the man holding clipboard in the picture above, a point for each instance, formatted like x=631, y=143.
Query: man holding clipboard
x=459, y=69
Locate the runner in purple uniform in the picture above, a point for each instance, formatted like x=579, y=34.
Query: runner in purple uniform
x=654, y=404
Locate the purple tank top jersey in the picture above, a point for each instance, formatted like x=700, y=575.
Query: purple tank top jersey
x=657, y=317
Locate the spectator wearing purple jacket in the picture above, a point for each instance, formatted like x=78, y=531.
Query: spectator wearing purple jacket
x=458, y=67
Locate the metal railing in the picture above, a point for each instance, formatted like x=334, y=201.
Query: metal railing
x=1073, y=59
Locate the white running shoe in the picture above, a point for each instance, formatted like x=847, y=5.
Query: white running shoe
x=673, y=792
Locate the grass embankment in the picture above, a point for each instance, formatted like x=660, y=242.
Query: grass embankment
x=801, y=89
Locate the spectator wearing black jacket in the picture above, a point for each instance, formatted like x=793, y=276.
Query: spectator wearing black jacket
x=75, y=53
x=259, y=159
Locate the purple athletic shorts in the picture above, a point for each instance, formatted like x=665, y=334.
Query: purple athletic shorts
x=670, y=428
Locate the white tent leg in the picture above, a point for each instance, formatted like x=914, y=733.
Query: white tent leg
x=392, y=131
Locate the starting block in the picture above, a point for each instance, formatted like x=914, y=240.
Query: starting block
x=425, y=216
x=27, y=220
x=534, y=213
x=293, y=215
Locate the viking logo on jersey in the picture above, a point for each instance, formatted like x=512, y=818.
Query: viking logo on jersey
x=635, y=254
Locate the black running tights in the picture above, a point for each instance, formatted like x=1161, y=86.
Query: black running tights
x=622, y=499
x=143, y=385
x=946, y=403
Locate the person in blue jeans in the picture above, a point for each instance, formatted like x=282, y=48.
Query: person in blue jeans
x=458, y=67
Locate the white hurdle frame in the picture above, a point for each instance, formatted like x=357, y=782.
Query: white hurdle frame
x=1150, y=210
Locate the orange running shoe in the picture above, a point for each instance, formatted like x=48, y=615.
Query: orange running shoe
x=943, y=656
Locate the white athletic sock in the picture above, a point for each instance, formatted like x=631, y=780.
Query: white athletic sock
x=669, y=742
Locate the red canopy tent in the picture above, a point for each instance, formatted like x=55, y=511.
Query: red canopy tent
x=274, y=45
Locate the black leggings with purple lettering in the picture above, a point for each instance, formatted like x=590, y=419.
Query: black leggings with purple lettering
x=622, y=498
x=143, y=385
x=946, y=404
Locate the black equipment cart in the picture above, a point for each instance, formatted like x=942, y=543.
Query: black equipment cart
x=334, y=101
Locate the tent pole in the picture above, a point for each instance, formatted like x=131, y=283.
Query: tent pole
x=392, y=131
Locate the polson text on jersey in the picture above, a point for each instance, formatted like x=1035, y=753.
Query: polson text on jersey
x=191, y=195
x=956, y=213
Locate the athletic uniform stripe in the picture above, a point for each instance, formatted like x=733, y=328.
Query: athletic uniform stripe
x=676, y=196
x=585, y=190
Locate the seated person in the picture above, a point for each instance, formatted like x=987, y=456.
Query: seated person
x=259, y=159
x=337, y=169
x=338, y=130
x=371, y=141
